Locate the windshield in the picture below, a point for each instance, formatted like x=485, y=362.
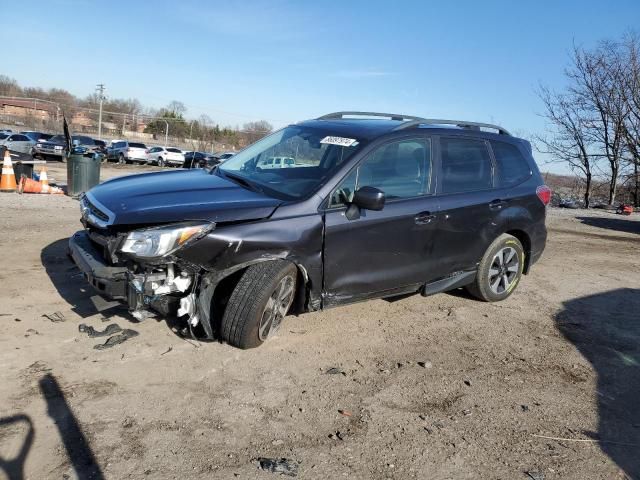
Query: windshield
x=292, y=162
x=137, y=145
x=57, y=139
x=174, y=150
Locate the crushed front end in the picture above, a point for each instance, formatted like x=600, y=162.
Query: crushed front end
x=138, y=265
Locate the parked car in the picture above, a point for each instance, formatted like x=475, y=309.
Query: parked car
x=37, y=136
x=276, y=162
x=127, y=152
x=222, y=156
x=55, y=149
x=375, y=207
x=6, y=130
x=163, y=156
x=17, y=142
x=199, y=160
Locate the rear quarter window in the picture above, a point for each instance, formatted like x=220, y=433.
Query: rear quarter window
x=466, y=165
x=511, y=166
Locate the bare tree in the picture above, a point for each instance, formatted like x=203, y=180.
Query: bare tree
x=595, y=78
x=256, y=130
x=630, y=85
x=568, y=142
x=9, y=87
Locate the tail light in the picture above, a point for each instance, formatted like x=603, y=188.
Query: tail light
x=544, y=194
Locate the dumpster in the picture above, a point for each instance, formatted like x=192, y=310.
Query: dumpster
x=83, y=171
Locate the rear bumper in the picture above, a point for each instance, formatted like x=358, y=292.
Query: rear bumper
x=107, y=280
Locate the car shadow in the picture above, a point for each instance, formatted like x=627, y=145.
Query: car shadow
x=605, y=328
x=618, y=224
x=20, y=427
x=71, y=284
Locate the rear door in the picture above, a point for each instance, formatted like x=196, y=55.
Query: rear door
x=469, y=205
x=388, y=249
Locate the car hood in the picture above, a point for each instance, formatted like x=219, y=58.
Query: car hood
x=172, y=196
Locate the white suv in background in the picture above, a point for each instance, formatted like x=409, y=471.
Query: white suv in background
x=165, y=156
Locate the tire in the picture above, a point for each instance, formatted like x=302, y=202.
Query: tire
x=258, y=304
x=121, y=159
x=497, y=279
x=161, y=162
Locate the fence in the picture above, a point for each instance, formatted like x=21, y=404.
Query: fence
x=21, y=114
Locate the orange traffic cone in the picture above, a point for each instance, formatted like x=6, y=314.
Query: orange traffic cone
x=8, y=181
x=28, y=185
x=44, y=180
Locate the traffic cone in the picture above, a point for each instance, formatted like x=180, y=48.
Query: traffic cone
x=8, y=181
x=44, y=180
x=27, y=185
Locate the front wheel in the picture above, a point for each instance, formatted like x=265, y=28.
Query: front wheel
x=121, y=159
x=500, y=270
x=258, y=304
x=161, y=162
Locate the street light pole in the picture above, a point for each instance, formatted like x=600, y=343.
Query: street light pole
x=100, y=90
x=166, y=134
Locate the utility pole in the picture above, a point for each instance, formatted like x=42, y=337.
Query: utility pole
x=100, y=90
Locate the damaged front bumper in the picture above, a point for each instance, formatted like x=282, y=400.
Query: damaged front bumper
x=165, y=288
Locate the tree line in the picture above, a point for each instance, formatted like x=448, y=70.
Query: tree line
x=595, y=120
x=202, y=132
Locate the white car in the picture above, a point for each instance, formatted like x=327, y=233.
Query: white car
x=276, y=162
x=17, y=142
x=165, y=156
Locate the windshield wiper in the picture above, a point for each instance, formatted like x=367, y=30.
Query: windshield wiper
x=242, y=181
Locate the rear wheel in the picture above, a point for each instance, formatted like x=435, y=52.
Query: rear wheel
x=500, y=270
x=258, y=304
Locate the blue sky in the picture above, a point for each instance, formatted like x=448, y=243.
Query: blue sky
x=284, y=61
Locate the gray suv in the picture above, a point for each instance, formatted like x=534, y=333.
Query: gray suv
x=127, y=152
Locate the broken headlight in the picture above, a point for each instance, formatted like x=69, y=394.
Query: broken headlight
x=160, y=241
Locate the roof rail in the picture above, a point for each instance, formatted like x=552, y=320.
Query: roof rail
x=458, y=123
x=392, y=116
x=411, y=121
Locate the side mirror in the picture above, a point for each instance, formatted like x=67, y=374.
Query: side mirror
x=369, y=198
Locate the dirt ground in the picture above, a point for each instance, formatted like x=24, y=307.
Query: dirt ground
x=443, y=387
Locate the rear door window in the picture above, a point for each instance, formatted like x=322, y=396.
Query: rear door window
x=511, y=166
x=466, y=165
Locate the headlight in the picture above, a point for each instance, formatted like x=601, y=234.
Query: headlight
x=161, y=241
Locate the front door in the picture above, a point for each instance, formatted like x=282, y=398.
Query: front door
x=388, y=249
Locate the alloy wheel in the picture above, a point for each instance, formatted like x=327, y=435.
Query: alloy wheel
x=276, y=308
x=504, y=270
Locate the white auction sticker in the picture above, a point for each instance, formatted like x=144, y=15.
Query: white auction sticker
x=343, y=142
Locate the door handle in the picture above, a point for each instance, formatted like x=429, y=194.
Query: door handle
x=497, y=204
x=423, y=218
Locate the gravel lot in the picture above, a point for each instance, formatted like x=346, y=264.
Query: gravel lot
x=443, y=387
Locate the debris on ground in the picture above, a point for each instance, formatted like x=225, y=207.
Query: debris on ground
x=93, y=333
x=17, y=320
x=426, y=364
x=467, y=383
x=336, y=371
x=167, y=351
x=55, y=317
x=282, y=466
x=31, y=331
x=117, y=339
x=337, y=436
x=536, y=475
x=345, y=413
